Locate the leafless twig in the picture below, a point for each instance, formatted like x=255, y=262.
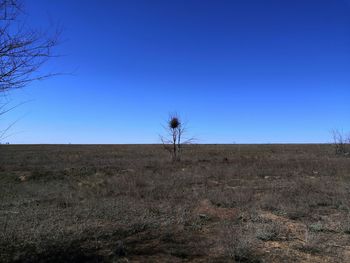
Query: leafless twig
x=341, y=142
x=23, y=51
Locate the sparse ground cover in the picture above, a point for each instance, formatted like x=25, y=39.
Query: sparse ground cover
x=130, y=203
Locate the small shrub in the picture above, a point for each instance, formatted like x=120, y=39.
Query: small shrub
x=341, y=143
x=269, y=232
x=240, y=244
x=312, y=243
x=346, y=225
x=317, y=227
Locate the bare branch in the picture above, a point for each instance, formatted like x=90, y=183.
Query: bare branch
x=341, y=143
x=23, y=51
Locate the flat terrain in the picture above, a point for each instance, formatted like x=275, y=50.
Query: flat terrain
x=130, y=203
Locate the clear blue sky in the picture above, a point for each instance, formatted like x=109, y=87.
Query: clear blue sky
x=244, y=71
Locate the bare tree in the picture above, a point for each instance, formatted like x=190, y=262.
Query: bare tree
x=175, y=137
x=23, y=50
x=341, y=143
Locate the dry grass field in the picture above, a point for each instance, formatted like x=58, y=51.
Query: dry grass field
x=130, y=203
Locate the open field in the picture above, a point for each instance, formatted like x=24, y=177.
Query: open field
x=129, y=203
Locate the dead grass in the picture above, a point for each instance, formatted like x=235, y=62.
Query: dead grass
x=222, y=203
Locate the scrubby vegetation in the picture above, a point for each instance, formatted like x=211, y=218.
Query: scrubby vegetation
x=221, y=203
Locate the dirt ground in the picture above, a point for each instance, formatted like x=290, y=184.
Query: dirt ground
x=130, y=203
